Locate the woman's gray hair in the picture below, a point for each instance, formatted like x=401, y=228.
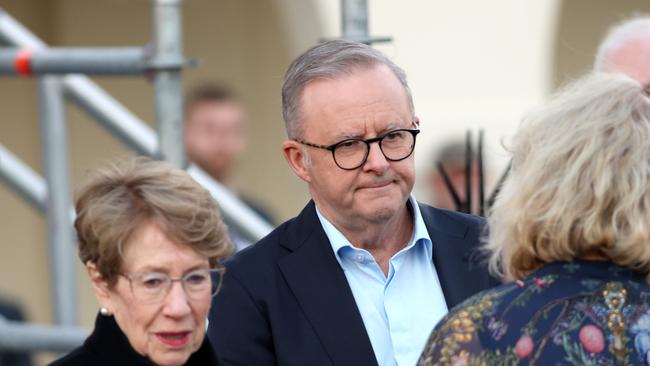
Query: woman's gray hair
x=618, y=36
x=329, y=60
x=580, y=181
x=124, y=196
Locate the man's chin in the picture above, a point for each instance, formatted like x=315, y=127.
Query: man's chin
x=380, y=215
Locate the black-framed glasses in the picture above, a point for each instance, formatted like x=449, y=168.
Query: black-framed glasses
x=153, y=287
x=350, y=154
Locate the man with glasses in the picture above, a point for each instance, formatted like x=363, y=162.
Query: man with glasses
x=364, y=272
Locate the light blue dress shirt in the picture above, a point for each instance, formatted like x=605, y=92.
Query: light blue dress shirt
x=398, y=310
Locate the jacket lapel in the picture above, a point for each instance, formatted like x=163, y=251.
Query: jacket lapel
x=320, y=287
x=453, y=249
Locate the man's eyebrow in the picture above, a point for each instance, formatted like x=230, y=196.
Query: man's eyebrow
x=347, y=135
x=360, y=135
x=391, y=126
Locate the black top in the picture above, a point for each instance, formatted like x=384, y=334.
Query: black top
x=107, y=345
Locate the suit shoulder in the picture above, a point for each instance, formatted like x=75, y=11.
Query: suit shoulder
x=452, y=214
x=467, y=218
x=261, y=254
x=443, y=219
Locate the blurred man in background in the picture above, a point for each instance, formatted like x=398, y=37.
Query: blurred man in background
x=215, y=138
x=626, y=49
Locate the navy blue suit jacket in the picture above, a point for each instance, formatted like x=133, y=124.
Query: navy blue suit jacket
x=286, y=301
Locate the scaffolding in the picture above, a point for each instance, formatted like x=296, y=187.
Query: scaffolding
x=59, y=76
x=59, y=71
x=354, y=22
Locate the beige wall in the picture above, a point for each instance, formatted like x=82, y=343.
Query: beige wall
x=471, y=64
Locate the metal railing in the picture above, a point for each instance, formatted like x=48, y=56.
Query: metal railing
x=30, y=56
x=354, y=22
x=19, y=336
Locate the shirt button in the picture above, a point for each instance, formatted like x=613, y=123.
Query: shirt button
x=360, y=258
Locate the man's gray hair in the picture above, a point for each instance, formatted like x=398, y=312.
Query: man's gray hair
x=618, y=36
x=329, y=60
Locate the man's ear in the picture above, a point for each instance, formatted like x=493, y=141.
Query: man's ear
x=416, y=120
x=298, y=161
x=102, y=292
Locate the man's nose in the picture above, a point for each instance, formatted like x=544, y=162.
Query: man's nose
x=376, y=161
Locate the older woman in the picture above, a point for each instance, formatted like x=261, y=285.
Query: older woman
x=571, y=229
x=150, y=238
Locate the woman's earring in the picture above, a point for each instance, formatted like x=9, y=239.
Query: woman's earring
x=104, y=311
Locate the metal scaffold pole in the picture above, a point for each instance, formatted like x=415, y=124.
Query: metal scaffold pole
x=354, y=19
x=93, y=61
x=354, y=22
x=27, y=183
x=60, y=233
x=18, y=336
x=168, y=60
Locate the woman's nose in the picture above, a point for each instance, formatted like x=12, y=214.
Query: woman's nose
x=177, y=303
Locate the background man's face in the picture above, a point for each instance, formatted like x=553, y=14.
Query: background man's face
x=368, y=103
x=215, y=136
x=633, y=59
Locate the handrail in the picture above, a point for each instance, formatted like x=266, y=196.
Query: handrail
x=118, y=120
x=20, y=336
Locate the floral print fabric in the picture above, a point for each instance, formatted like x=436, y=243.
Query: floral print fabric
x=566, y=313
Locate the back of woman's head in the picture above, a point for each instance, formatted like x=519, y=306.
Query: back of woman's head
x=125, y=195
x=580, y=181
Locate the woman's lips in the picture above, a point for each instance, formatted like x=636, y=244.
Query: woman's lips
x=174, y=339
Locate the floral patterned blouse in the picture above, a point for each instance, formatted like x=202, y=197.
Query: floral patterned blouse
x=566, y=313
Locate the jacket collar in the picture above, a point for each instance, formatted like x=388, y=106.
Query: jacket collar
x=455, y=254
x=321, y=289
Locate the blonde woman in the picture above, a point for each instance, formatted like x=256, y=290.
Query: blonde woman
x=571, y=232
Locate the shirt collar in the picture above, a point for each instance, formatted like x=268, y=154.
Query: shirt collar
x=338, y=241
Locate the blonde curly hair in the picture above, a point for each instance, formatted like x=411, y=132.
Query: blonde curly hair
x=580, y=181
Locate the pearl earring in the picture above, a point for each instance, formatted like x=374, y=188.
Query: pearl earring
x=104, y=311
